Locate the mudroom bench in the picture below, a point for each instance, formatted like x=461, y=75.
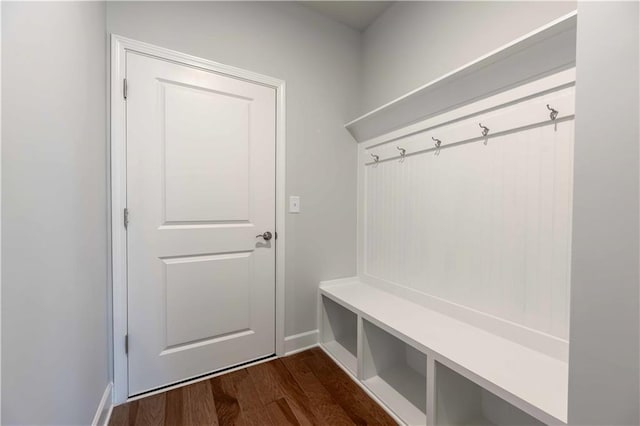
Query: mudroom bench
x=425, y=367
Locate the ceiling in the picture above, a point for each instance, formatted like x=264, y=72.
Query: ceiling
x=355, y=14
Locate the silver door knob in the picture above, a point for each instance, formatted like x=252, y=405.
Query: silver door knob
x=267, y=236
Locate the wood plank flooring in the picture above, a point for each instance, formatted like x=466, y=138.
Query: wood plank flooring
x=307, y=388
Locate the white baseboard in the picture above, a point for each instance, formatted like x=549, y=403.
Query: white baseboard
x=300, y=342
x=103, y=413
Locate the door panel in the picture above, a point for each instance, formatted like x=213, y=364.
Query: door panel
x=197, y=307
x=216, y=126
x=200, y=187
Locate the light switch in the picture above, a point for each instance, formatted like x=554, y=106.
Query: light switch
x=294, y=204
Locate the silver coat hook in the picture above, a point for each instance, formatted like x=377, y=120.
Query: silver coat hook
x=553, y=114
x=376, y=158
x=485, y=129
x=403, y=151
x=437, y=141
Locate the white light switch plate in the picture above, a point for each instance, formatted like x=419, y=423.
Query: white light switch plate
x=294, y=204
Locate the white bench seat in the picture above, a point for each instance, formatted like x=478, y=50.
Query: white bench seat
x=531, y=381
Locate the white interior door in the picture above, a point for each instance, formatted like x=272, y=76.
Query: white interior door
x=200, y=187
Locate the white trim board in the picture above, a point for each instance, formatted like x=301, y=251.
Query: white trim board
x=546, y=50
x=119, y=47
x=105, y=407
x=300, y=342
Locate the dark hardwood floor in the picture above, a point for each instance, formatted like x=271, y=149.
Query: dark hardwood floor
x=307, y=388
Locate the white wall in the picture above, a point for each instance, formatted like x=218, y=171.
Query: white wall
x=604, y=358
x=54, y=240
x=319, y=59
x=413, y=43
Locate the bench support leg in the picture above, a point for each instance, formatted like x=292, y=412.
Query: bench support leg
x=431, y=391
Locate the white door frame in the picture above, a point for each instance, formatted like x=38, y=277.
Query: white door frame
x=119, y=47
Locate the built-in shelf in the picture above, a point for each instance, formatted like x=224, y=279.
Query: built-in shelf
x=461, y=402
x=396, y=373
x=397, y=336
x=426, y=362
x=339, y=333
x=542, y=52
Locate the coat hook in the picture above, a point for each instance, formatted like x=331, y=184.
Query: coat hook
x=437, y=141
x=376, y=158
x=485, y=129
x=403, y=151
x=553, y=114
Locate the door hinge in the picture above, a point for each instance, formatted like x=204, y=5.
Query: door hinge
x=126, y=344
x=124, y=88
x=125, y=215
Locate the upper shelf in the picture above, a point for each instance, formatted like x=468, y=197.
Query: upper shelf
x=542, y=52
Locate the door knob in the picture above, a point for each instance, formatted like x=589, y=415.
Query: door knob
x=267, y=236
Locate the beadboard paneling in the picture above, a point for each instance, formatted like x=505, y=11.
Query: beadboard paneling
x=484, y=224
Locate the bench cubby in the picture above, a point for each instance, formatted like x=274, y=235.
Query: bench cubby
x=460, y=402
x=395, y=372
x=339, y=333
x=428, y=368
